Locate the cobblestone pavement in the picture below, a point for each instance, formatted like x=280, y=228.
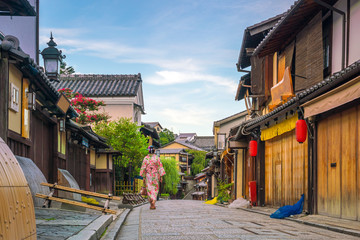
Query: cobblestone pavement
x=187, y=219
x=57, y=224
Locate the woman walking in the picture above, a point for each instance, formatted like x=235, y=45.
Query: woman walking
x=152, y=171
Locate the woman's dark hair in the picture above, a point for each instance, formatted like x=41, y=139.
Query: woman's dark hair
x=151, y=150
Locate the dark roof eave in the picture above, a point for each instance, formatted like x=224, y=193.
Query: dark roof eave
x=262, y=27
x=276, y=28
x=31, y=68
x=22, y=8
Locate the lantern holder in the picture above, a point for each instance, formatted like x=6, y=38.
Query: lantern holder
x=52, y=57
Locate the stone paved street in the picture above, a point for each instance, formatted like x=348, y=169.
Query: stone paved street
x=187, y=219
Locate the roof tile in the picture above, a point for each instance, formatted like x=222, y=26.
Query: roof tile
x=96, y=85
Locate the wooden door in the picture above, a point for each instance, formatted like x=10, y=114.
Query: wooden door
x=43, y=146
x=338, y=156
x=285, y=170
x=78, y=164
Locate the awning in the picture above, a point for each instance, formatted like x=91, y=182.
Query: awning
x=278, y=129
x=346, y=93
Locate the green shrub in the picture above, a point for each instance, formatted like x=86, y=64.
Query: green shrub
x=171, y=177
x=224, y=191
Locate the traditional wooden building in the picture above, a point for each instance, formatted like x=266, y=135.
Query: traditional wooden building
x=307, y=67
x=177, y=149
x=31, y=109
x=228, y=162
x=151, y=131
x=36, y=121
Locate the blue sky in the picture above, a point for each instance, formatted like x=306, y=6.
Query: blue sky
x=185, y=50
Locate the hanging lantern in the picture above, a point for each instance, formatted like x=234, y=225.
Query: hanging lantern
x=253, y=148
x=301, y=130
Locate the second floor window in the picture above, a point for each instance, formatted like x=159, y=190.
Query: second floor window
x=327, y=36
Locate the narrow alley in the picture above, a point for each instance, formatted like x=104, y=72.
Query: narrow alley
x=181, y=219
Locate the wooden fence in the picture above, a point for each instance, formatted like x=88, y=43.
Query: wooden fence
x=128, y=187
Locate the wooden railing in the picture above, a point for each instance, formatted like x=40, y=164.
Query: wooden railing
x=128, y=187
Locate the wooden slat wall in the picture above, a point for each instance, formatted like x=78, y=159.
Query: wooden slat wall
x=338, y=186
x=309, y=55
x=322, y=167
x=285, y=170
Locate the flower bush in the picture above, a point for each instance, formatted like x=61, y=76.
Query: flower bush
x=87, y=108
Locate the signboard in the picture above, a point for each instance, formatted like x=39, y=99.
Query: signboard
x=63, y=103
x=85, y=142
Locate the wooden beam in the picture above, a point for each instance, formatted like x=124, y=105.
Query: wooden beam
x=4, y=96
x=82, y=192
x=238, y=145
x=75, y=203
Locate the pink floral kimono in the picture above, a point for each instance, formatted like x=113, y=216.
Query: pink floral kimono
x=152, y=169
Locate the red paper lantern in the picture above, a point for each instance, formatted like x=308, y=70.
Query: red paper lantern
x=301, y=131
x=253, y=148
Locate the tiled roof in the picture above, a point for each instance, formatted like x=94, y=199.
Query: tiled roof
x=241, y=90
x=204, y=142
x=293, y=21
x=252, y=37
x=171, y=151
x=189, y=145
x=152, y=124
x=100, y=85
x=187, y=136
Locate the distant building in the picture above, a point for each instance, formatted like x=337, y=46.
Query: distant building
x=185, y=136
x=152, y=133
x=155, y=125
x=122, y=94
x=204, y=142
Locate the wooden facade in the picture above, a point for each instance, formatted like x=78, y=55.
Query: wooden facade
x=286, y=170
x=34, y=132
x=324, y=63
x=338, y=181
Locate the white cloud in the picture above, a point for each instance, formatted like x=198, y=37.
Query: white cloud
x=174, y=77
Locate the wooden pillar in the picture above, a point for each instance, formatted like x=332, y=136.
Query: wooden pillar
x=261, y=174
x=87, y=181
x=108, y=180
x=312, y=171
x=54, y=153
x=4, y=96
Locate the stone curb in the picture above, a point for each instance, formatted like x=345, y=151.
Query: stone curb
x=331, y=228
x=94, y=230
x=116, y=225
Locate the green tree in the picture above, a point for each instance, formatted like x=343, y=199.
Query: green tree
x=66, y=70
x=166, y=136
x=125, y=137
x=171, y=178
x=199, y=161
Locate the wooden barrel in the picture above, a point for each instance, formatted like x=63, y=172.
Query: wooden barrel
x=17, y=215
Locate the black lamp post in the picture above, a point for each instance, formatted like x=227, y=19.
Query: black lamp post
x=52, y=56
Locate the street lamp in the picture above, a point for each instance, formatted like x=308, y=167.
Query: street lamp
x=52, y=56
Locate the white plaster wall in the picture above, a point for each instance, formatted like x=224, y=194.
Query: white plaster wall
x=118, y=107
x=337, y=37
x=354, y=32
x=225, y=128
x=24, y=28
